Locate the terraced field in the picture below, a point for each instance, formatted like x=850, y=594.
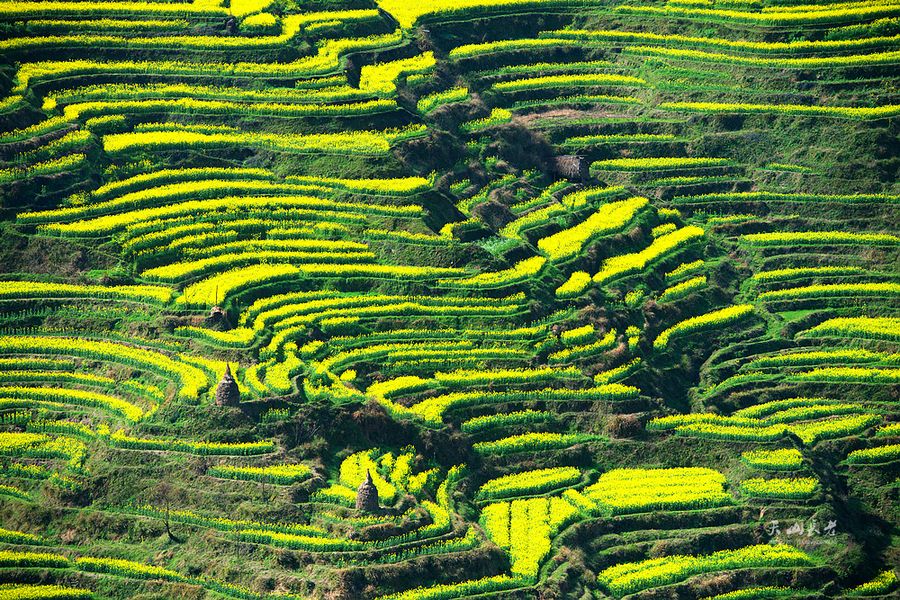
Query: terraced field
x=395, y=300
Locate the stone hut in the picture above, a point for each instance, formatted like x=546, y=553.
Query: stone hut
x=227, y=393
x=571, y=167
x=367, y=495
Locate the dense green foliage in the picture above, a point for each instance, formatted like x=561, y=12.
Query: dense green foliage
x=599, y=299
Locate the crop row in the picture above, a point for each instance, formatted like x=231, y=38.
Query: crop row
x=679, y=290
x=291, y=26
x=77, y=397
x=641, y=490
x=825, y=374
x=39, y=129
x=503, y=420
x=398, y=186
x=19, y=537
x=215, y=289
x=15, y=290
x=850, y=112
x=525, y=528
x=409, y=14
x=149, y=240
x=814, y=62
x=629, y=578
x=194, y=106
x=875, y=455
x=135, y=570
x=575, y=285
x=290, y=328
x=773, y=460
x=889, y=430
x=280, y=474
x=765, y=592
x=411, y=354
x=519, y=273
x=500, y=334
x=793, y=488
x=660, y=247
x=327, y=60
x=216, y=264
x=36, y=364
x=792, y=16
x=72, y=141
x=486, y=48
x=607, y=219
x=382, y=78
x=107, y=25
x=13, y=491
x=791, y=273
x=28, y=10
x=144, y=182
x=819, y=238
x=191, y=379
x=711, y=320
x=583, y=141
x=225, y=523
x=44, y=592
x=792, y=47
x=290, y=309
x=327, y=249
x=431, y=102
x=877, y=328
x=37, y=445
x=768, y=413
x=433, y=409
x=569, y=202
x=568, y=82
x=363, y=143
x=65, y=377
x=447, y=591
x=659, y=163
x=565, y=355
x=813, y=357
x=788, y=197
x=498, y=116
x=269, y=207
x=578, y=335
x=531, y=442
x=234, y=338
x=809, y=433
x=529, y=482
x=64, y=164
x=882, y=583
x=121, y=440
x=848, y=375
x=148, y=184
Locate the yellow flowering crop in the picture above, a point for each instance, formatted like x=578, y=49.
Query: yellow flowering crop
x=664, y=245
x=642, y=490
x=712, y=319
x=795, y=488
x=607, y=219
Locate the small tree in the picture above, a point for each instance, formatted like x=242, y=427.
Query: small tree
x=166, y=494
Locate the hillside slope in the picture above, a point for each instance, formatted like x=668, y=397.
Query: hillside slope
x=595, y=299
